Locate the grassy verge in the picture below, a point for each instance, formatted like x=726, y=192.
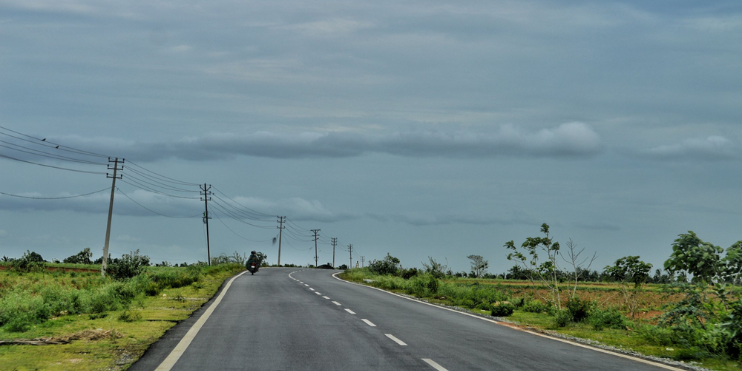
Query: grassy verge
x=605, y=324
x=108, y=324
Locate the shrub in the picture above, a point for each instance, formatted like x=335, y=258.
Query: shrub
x=535, y=306
x=562, y=318
x=503, y=310
x=579, y=309
x=29, y=262
x=408, y=273
x=389, y=265
x=610, y=318
x=130, y=265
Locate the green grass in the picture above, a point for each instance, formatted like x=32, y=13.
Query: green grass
x=141, y=319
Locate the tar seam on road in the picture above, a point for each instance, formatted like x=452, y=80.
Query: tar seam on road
x=626, y=356
x=434, y=364
x=400, y=342
x=179, y=349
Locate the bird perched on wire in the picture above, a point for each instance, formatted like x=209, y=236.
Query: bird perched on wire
x=43, y=140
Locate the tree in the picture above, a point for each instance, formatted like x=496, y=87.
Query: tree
x=388, y=265
x=573, y=259
x=630, y=270
x=434, y=268
x=546, y=272
x=693, y=256
x=83, y=257
x=478, y=265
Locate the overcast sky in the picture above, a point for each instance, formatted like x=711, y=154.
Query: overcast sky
x=418, y=128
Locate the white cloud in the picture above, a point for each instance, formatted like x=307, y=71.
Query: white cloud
x=711, y=148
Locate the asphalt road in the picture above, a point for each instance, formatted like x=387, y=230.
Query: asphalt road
x=291, y=319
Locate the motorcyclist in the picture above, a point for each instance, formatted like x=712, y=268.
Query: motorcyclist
x=253, y=259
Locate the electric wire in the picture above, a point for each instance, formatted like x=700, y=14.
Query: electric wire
x=162, y=176
x=231, y=215
x=54, y=198
x=146, y=208
x=145, y=188
x=36, y=152
x=241, y=212
x=237, y=234
x=254, y=211
x=43, y=142
x=53, y=167
x=154, y=184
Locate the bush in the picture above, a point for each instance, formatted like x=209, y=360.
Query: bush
x=503, y=310
x=130, y=265
x=579, y=309
x=389, y=265
x=562, y=318
x=610, y=318
x=536, y=306
x=29, y=262
x=408, y=273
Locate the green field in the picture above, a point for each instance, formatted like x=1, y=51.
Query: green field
x=98, y=323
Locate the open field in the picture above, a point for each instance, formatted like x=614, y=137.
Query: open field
x=97, y=323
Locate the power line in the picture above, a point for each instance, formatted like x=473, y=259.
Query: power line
x=148, y=189
x=42, y=142
x=237, y=234
x=54, y=198
x=53, y=167
x=36, y=152
x=162, y=176
x=146, y=208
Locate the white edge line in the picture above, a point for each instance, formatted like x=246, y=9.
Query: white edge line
x=400, y=342
x=368, y=322
x=640, y=360
x=434, y=364
x=179, y=349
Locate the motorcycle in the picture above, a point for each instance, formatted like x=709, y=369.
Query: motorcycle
x=253, y=268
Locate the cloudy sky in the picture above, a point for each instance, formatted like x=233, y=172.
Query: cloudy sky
x=418, y=128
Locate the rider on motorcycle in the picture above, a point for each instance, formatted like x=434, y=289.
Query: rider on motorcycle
x=253, y=259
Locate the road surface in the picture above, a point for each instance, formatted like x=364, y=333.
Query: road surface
x=293, y=319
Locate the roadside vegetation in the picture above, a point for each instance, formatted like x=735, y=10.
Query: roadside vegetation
x=691, y=312
x=80, y=320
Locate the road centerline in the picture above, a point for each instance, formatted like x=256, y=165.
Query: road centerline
x=433, y=364
x=368, y=322
x=400, y=342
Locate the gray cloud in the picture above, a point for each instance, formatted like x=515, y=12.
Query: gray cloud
x=569, y=140
x=711, y=148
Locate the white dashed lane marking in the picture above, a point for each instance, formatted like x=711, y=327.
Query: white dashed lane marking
x=317, y=293
x=336, y=303
x=350, y=311
x=325, y=297
x=368, y=322
x=400, y=342
x=311, y=289
x=433, y=364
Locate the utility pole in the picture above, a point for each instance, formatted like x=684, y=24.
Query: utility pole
x=315, y=231
x=281, y=220
x=334, y=243
x=115, y=168
x=363, y=261
x=350, y=250
x=205, y=193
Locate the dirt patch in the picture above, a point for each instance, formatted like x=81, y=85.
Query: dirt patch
x=90, y=335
